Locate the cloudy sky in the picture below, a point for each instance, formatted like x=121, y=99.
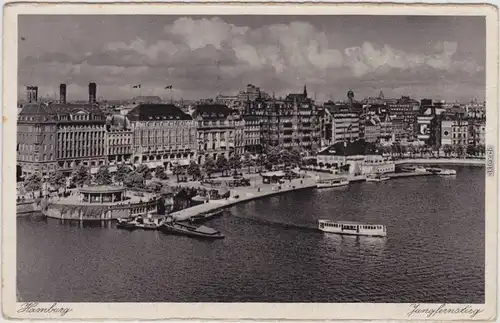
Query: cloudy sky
x=201, y=56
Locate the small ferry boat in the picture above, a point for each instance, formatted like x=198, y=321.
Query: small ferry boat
x=377, y=178
x=443, y=172
x=333, y=182
x=413, y=169
x=173, y=227
x=149, y=222
x=126, y=223
x=205, y=216
x=352, y=228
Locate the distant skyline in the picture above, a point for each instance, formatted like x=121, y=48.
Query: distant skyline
x=439, y=57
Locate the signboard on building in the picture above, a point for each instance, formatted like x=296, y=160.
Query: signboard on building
x=446, y=132
x=424, y=127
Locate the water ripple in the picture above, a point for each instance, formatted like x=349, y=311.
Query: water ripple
x=434, y=251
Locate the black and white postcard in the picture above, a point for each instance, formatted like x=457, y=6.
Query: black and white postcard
x=250, y=161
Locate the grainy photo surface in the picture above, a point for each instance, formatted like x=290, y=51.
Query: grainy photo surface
x=236, y=158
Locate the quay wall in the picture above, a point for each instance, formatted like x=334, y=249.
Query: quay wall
x=26, y=208
x=410, y=174
x=442, y=161
x=214, y=205
x=88, y=212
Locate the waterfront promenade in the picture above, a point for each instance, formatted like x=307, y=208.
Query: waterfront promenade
x=260, y=190
x=244, y=194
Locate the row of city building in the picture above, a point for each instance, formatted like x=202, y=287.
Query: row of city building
x=60, y=135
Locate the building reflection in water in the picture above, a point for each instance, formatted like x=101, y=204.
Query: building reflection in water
x=86, y=224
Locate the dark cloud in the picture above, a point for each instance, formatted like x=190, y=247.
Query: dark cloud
x=212, y=55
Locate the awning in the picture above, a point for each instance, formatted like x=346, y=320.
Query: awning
x=154, y=164
x=167, y=190
x=271, y=174
x=223, y=191
x=200, y=198
x=184, y=162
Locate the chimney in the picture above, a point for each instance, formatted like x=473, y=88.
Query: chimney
x=32, y=93
x=92, y=93
x=28, y=94
x=35, y=93
x=62, y=93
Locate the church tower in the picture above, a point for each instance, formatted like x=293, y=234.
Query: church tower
x=305, y=91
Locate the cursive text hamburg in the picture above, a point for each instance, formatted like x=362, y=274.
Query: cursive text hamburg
x=34, y=308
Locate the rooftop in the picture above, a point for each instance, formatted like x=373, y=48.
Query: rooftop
x=359, y=147
x=102, y=189
x=159, y=111
x=212, y=111
x=118, y=122
x=38, y=108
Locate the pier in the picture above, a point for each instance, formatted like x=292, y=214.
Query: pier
x=245, y=194
x=443, y=161
x=409, y=174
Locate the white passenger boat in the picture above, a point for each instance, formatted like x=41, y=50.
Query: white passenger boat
x=333, y=182
x=377, y=178
x=448, y=172
x=414, y=169
x=443, y=172
x=352, y=228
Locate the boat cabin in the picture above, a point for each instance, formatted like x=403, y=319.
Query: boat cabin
x=352, y=228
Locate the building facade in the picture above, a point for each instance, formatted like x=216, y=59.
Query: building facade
x=81, y=136
x=119, y=137
x=293, y=122
x=428, y=129
x=476, y=109
x=220, y=131
x=405, y=109
x=456, y=131
x=345, y=126
x=252, y=134
x=60, y=137
x=163, y=135
x=477, y=132
x=377, y=127
x=36, y=139
x=344, y=156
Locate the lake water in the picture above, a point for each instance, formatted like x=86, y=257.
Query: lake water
x=434, y=251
